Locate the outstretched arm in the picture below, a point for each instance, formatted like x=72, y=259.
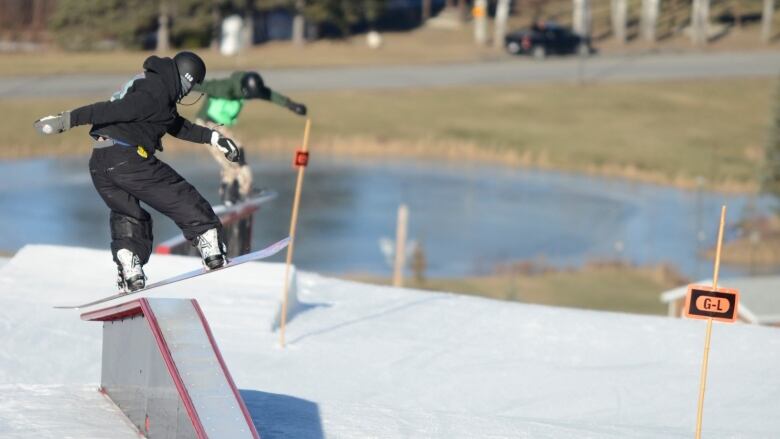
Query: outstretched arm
x=186, y=130
x=251, y=86
x=133, y=107
x=284, y=101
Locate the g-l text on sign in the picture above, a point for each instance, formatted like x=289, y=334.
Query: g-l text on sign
x=705, y=302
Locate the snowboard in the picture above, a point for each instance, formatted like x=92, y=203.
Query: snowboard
x=254, y=256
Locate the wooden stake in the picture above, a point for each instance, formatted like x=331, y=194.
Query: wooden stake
x=400, y=246
x=293, y=226
x=716, y=270
x=705, y=360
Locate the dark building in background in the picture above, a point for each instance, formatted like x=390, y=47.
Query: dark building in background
x=397, y=15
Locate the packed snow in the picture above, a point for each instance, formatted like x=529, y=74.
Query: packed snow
x=367, y=361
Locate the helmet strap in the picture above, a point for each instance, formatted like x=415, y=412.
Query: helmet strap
x=187, y=105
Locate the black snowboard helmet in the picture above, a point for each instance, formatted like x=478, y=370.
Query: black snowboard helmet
x=252, y=85
x=192, y=70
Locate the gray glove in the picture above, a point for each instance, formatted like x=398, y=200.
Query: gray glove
x=226, y=145
x=53, y=124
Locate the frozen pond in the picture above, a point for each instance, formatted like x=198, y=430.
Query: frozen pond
x=468, y=218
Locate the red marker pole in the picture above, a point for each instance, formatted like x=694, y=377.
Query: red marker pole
x=300, y=161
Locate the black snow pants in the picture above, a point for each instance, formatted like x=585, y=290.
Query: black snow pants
x=124, y=178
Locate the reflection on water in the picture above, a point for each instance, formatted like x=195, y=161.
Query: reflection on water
x=468, y=218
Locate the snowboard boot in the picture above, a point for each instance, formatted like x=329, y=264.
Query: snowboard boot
x=212, y=250
x=131, y=273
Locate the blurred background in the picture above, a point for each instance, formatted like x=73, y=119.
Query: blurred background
x=566, y=152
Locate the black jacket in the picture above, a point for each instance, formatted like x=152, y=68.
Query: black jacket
x=145, y=112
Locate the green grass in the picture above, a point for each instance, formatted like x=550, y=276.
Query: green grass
x=668, y=132
x=618, y=288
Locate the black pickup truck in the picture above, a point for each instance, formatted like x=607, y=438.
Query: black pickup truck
x=546, y=39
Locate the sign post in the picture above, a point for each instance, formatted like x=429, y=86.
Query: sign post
x=711, y=303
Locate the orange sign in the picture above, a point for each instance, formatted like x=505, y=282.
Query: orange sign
x=705, y=302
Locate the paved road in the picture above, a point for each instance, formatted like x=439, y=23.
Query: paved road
x=515, y=71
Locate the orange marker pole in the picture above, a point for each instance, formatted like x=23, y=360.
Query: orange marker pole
x=293, y=226
x=707, y=338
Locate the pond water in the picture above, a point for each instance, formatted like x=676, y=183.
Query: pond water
x=468, y=219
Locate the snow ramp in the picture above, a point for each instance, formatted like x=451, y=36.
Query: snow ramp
x=163, y=369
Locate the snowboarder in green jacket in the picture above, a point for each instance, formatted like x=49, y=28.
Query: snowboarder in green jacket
x=220, y=112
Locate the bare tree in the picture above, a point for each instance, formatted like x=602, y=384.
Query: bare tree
x=480, y=22
x=649, y=19
x=736, y=11
x=216, y=25
x=581, y=19
x=463, y=9
x=163, y=30
x=502, y=15
x=299, y=24
x=38, y=18
x=700, y=21
x=619, y=14
x=248, y=31
x=766, y=20
x=426, y=10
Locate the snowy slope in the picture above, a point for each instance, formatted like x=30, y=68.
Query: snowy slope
x=42, y=411
x=367, y=361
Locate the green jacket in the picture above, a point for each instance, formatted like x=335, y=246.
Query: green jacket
x=224, y=101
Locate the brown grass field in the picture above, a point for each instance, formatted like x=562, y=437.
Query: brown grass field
x=606, y=287
x=661, y=132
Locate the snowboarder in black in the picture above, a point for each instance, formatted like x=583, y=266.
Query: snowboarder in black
x=127, y=130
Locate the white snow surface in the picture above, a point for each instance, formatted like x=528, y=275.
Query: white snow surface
x=376, y=362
